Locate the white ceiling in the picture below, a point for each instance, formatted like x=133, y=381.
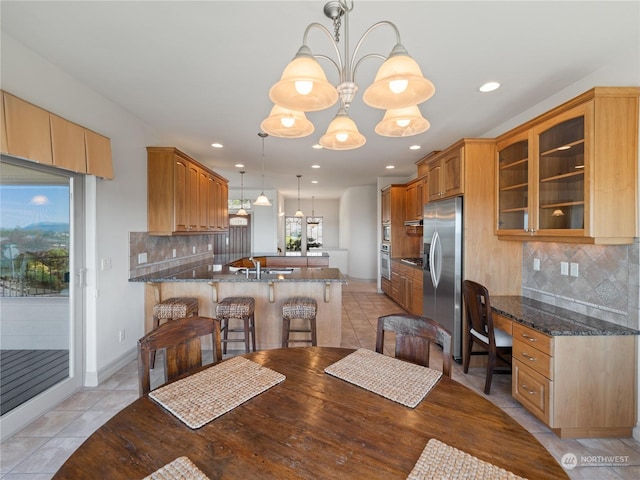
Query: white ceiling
x=199, y=72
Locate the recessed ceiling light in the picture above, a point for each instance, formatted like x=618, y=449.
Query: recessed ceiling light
x=389, y=167
x=216, y=145
x=315, y=166
x=239, y=165
x=489, y=87
x=317, y=146
x=314, y=181
x=414, y=147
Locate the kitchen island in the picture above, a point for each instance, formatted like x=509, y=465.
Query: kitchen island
x=211, y=282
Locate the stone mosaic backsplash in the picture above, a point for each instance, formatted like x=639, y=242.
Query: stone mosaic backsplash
x=606, y=285
x=160, y=251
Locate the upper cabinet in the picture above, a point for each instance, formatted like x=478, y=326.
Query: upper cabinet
x=35, y=134
x=565, y=175
x=415, y=199
x=445, y=175
x=182, y=195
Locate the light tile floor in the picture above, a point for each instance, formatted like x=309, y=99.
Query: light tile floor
x=37, y=451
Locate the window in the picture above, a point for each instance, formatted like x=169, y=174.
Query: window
x=314, y=232
x=234, y=205
x=298, y=238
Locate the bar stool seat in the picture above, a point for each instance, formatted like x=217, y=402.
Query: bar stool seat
x=172, y=309
x=304, y=308
x=242, y=308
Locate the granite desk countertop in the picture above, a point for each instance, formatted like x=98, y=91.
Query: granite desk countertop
x=207, y=272
x=552, y=320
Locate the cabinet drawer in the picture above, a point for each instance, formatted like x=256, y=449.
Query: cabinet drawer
x=532, y=357
x=532, y=337
x=532, y=390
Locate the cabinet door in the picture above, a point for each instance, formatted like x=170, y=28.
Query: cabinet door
x=181, y=214
x=98, y=153
x=28, y=130
x=67, y=145
x=513, y=184
x=224, y=205
x=203, y=201
x=386, y=205
x=3, y=126
x=410, y=202
x=451, y=174
x=193, y=198
x=560, y=184
x=435, y=186
x=213, y=203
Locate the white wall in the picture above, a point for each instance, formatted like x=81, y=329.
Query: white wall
x=358, y=221
x=120, y=205
x=264, y=226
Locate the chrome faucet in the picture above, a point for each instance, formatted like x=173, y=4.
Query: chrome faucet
x=256, y=264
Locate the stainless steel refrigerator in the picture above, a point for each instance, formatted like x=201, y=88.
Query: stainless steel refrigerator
x=442, y=287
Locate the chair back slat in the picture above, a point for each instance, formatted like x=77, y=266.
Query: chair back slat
x=181, y=340
x=414, y=334
x=478, y=306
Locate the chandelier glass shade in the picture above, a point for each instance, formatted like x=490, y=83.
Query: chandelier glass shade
x=262, y=200
x=286, y=123
x=242, y=211
x=402, y=122
x=299, y=212
x=303, y=86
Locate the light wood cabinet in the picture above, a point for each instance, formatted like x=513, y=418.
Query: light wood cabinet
x=385, y=198
x=406, y=287
x=446, y=175
x=415, y=199
x=3, y=127
x=182, y=196
x=402, y=245
x=564, y=175
x=580, y=386
x=28, y=131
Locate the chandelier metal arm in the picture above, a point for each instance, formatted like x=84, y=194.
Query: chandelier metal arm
x=352, y=73
x=339, y=63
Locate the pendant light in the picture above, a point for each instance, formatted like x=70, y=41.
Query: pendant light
x=312, y=220
x=299, y=212
x=242, y=211
x=262, y=200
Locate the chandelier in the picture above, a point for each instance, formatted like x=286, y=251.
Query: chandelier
x=398, y=88
x=262, y=200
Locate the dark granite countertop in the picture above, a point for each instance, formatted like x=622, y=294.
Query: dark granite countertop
x=208, y=272
x=552, y=320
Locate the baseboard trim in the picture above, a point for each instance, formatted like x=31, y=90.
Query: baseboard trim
x=93, y=379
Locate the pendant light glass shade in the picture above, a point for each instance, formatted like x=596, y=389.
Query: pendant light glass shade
x=303, y=85
x=399, y=83
x=299, y=212
x=262, y=200
x=402, y=122
x=242, y=211
x=342, y=133
x=285, y=123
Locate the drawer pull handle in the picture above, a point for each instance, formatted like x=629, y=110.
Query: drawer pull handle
x=528, y=357
x=531, y=339
x=530, y=392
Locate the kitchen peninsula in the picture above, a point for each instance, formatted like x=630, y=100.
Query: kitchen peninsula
x=281, y=277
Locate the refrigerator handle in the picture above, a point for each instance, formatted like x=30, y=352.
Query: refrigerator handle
x=432, y=260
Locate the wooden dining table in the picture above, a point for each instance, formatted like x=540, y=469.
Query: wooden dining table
x=311, y=425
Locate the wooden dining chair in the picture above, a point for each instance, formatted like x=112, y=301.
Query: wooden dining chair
x=480, y=330
x=414, y=335
x=181, y=340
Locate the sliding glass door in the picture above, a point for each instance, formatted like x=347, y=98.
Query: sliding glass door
x=41, y=288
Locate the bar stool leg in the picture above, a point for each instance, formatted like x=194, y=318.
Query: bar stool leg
x=224, y=327
x=247, y=332
x=252, y=329
x=314, y=338
x=286, y=324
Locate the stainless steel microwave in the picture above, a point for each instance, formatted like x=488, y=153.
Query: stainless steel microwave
x=386, y=233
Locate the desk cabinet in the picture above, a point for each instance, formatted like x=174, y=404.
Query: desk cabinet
x=579, y=385
x=406, y=287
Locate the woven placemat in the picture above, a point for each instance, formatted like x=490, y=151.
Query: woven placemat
x=442, y=461
x=180, y=469
x=204, y=396
x=402, y=382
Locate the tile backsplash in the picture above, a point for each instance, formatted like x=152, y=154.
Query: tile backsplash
x=606, y=285
x=160, y=250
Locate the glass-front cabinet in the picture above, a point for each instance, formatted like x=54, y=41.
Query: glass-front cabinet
x=571, y=174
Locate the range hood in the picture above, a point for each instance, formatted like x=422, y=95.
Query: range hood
x=413, y=223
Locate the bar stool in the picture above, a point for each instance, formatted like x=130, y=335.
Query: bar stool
x=242, y=308
x=172, y=309
x=304, y=308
